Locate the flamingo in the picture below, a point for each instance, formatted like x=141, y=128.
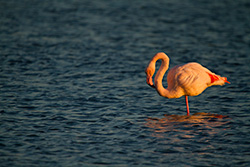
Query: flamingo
x=189, y=79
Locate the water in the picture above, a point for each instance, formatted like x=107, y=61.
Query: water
x=73, y=89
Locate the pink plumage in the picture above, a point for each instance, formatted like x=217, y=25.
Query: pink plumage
x=190, y=79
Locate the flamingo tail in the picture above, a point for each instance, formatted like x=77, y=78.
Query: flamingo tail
x=215, y=78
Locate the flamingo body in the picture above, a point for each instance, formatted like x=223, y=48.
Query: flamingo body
x=189, y=79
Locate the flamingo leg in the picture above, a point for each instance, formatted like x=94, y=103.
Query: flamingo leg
x=186, y=98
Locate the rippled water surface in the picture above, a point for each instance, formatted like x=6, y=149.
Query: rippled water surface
x=73, y=89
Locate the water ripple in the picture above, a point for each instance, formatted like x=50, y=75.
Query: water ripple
x=73, y=89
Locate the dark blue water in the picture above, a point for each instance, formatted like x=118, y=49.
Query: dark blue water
x=73, y=90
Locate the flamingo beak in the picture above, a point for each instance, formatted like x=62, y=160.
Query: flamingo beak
x=150, y=81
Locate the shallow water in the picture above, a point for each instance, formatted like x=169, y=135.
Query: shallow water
x=73, y=89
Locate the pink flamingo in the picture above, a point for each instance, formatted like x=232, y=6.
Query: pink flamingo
x=190, y=79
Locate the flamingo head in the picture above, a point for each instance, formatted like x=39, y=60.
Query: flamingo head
x=150, y=70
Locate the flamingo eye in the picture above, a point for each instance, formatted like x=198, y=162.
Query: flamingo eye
x=148, y=72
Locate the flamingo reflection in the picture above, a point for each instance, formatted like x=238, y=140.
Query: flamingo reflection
x=183, y=123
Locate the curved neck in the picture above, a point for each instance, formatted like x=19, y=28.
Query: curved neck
x=160, y=74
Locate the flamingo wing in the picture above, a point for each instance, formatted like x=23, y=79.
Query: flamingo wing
x=191, y=79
